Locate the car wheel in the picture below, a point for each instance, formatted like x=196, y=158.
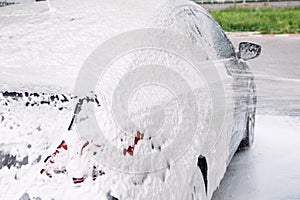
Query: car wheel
x=248, y=141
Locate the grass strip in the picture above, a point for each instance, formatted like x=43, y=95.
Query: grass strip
x=264, y=20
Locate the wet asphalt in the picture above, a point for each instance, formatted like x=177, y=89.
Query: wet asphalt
x=271, y=169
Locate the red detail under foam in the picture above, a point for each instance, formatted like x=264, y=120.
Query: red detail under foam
x=64, y=145
x=138, y=137
x=130, y=150
x=78, y=180
x=85, y=144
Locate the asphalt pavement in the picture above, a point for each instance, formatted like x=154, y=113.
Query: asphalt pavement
x=271, y=169
x=277, y=73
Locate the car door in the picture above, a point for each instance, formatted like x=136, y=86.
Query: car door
x=237, y=79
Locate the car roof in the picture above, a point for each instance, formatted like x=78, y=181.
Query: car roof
x=43, y=49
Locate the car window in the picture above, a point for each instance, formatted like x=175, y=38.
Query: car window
x=203, y=29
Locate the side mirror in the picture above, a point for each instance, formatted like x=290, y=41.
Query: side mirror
x=248, y=50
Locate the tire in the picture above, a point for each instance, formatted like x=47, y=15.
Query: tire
x=248, y=141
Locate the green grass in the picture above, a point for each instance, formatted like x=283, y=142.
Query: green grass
x=264, y=20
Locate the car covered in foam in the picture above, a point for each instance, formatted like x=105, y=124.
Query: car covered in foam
x=179, y=80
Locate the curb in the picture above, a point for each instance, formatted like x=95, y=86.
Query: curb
x=254, y=34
